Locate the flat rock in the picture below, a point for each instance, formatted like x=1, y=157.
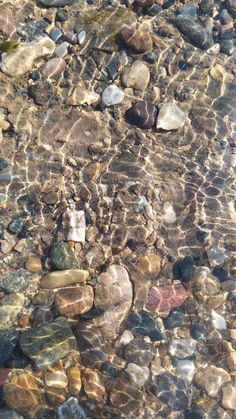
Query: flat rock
x=91, y=344
x=195, y=31
x=21, y=61
x=75, y=224
x=10, y=306
x=211, y=379
x=55, y=3
x=53, y=67
x=15, y=281
x=150, y=265
x=186, y=369
x=170, y=117
x=48, y=343
x=229, y=390
x=92, y=384
x=166, y=297
x=33, y=264
x=137, y=76
x=71, y=410
x=81, y=96
x=70, y=302
x=23, y=394
x=112, y=95
x=65, y=278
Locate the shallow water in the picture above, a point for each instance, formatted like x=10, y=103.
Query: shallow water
x=144, y=192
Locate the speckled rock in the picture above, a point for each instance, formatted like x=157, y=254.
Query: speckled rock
x=114, y=295
x=126, y=397
x=74, y=380
x=229, y=393
x=143, y=324
x=166, y=297
x=63, y=257
x=21, y=61
x=137, y=76
x=10, y=306
x=170, y=117
x=137, y=39
x=15, y=281
x=56, y=379
x=53, y=67
x=8, y=341
x=64, y=278
x=23, y=394
x=71, y=410
x=143, y=114
x=91, y=344
x=47, y=343
x=73, y=301
x=139, y=352
x=112, y=95
x=195, y=31
x=182, y=348
x=92, y=384
x=211, y=379
x=139, y=375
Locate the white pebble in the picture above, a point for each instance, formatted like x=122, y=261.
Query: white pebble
x=81, y=37
x=112, y=95
x=218, y=321
x=186, y=369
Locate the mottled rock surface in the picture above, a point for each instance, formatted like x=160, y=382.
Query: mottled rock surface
x=166, y=297
x=64, y=278
x=73, y=301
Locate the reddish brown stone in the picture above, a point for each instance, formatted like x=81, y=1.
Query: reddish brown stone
x=53, y=67
x=166, y=297
x=139, y=40
x=73, y=301
x=7, y=26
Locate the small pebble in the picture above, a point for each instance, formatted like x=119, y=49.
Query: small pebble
x=81, y=37
x=151, y=57
x=112, y=95
x=61, y=50
x=55, y=34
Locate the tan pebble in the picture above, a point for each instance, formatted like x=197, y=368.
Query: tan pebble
x=64, y=278
x=74, y=379
x=229, y=396
x=92, y=384
x=218, y=73
x=33, y=264
x=211, y=379
x=57, y=379
x=150, y=264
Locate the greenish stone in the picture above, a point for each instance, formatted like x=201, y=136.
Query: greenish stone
x=16, y=226
x=10, y=306
x=8, y=341
x=151, y=57
x=15, y=281
x=3, y=163
x=35, y=75
x=8, y=46
x=198, y=332
x=63, y=257
x=47, y=343
x=7, y=413
x=175, y=319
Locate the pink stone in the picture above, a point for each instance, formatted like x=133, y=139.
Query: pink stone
x=166, y=297
x=53, y=67
x=70, y=37
x=7, y=26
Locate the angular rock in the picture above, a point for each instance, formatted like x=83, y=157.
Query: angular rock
x=137, y=76
x=15, y=281
x=114, y=295
x=80, y=96
x=63, y=257
x=166, y=297
x=139, y=375
x=53, y=67
x=75, y=224
x=195, y=31
x=10, y=306
x=112, y=95
x=71, y=410
x=23, y=394
x=33, y=264
x=56, y=379
x=48, y=342
x=126, y=397
x=170, y=117
x=211, y=379
x=93, y=385
x=143, y=114
x=65, y=278
x=7, y=25
x=8, y=341
x=137, y=39
x=70, y=302
x=186, y=369
x=229, y=389
x=74, y=380
x=143, y=324
x=21, y=61
x=182, y=348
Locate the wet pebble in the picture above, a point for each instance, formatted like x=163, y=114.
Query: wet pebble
x=71, y=409
x=8, y=341
x=80, y=96
x=139, y=375
x=189, y=9
x=206, y=6
x=81, y=37
x=61, y=50
x=62, y=15
x=195, y=31
x=184, y=269
x=170, y=117
x=41, y=92
x=53, y=67
x=139, y=352
x=145, y=3
x=92, y=384
x=175, y=319
x=231, y=6
x=143, y=114
x=74, y=380
x=70, y=37
x=55, y=3
x=55, y=34
x=151, y=57
x=91, y=344
x=63, y=257
x=166, y=297
x=10, y=307
x=70, y=302
x=211, y=379
x=182, y=348
x=15, y=281
x=112, y=95
x=16, y=226
x=143, y=324
x=33, y=264
x=139, y=40
x=229, y=396
x=64, y=278
x=137, y=76
x=7, y=24
x=186, y=369
x=42, y=315
x=198, y=332
x=125, y=397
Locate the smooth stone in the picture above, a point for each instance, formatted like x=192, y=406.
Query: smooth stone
x=59, y=279
x=169, y=215
x=74, y=380
x=189, y=9
x=23, y=394
x=53, y=67
x=55, y=34
x=43, y=298
x=48, y=343
x=92, y=384
x=221, y=273
x=20, y=61
x=70, y=37
x=211, y=379
x=171, y=390
x=110, y=369
x=112, y=95
x=56, y=379
x=186, y=369
x=3, y=163
x=143, y=114
x=184, y=269
x=204, y=284
x=55, y=396
x=154, y=10
x=10, y=306
x=56, y=3
x=182, y=348
x=139, y=40
x=7, y=413
x=62, y=15
x=170, y=117
x=63, y=257
x=8, y=341
x=151, y=57
x=150, y=265
x=126, y=397
x=70, y=302
x=61, y=50
x=229, y=395
x=81, y=37
x=15, y=281
x=206, y=6
x=218, y=321
x=175, y=319
x=81, y=96
x=143, y=324
x=166, y=297
x=71, y=410
x=195, y=31
x=91, y=344
x=16, y=226
x=139, y=375
x=42, y=315
x=139, y=352
x=75, y=224
x=33, y=264
x=198, y=332
x=7, y=24
x=137, y=76
x=168, y=3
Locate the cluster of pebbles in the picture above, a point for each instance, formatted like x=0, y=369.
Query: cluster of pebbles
x=117, y=220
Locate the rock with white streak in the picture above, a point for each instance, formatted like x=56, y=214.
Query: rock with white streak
x=170, y=117
x=53, y=67
x=75, y=224
x=186, y=369
x=21, y=61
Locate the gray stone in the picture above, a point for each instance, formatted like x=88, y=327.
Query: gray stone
x=182, y=348
x=8, y=341
x=15, y=281
x=170, y=117
x=112, y=95
x=10, y=306
x=55, y=3
x=231, y=5
x=195, y=31
x=7, y=413
x=48, y=343
x=189, y=9
x=137, y=76
x=71, y=410
x=63, y=257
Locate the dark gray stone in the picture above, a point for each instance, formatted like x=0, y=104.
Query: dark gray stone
x=71, y=410
x=8, y=341
x=195, y=31
x=189, y=9
x=7, y=413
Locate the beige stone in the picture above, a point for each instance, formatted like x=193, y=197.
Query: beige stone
x=229, y=396
x=58, y=279
x=92, y=384
x=33, y=264
x=218, y=73
x=137, y=76
x=81, y=96
x=150, y=264
x=211, y=379
x=170, y=117
x=56, y=379
x=74, y=378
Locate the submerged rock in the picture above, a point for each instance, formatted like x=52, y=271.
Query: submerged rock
x=126, y=397
x=229, y=389
x=65, y=278
x=166, y=297
x=211, y=379
x=143, y=114
x=71, y=410
x=195, y=31
x=74, y=301
x=137, y=76
x=21, y=61
x=170, y=117
x=8, y=341
x=137, y=39
x=80, y=96
x=91, y=344
x=75, y=224
x=92, y=384
x=139, y=375
x=74, y=380
x=10, y=306
x=48, y=343
x=143, y=324
x=182, y=348
x=15, y=281
x=63, y=257
x=53, y=67
x=112, y=95
x=55, y=3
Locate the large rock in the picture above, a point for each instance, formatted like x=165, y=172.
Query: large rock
x=211, y=379
x=195, y=31
x=15, y=281
x=137, y=76
x=21, y=61
x=58, y=279
x=138, y=39
x=170, y=117
x=70, y=302
x=10, y=306
x=166, y=297
x=48, y=343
